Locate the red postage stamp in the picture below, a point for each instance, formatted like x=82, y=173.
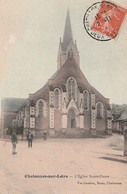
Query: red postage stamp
x=109, y=19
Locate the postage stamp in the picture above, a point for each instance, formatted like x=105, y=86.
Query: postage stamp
x=103, y=20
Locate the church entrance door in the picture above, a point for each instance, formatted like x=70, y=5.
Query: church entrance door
x=71, y=119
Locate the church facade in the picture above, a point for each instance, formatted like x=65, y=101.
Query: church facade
x=67, y=105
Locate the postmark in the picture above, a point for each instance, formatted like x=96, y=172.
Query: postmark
x=102, y=20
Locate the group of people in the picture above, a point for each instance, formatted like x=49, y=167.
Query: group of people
x=14, y=140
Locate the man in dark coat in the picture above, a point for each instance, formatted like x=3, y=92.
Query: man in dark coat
x=14, y=140
x=30, y=139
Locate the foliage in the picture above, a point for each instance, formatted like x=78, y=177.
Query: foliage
x=17, y=129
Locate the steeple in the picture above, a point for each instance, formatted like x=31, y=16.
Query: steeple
x=67, y=47
x=67, y=37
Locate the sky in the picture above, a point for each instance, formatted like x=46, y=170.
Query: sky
x=29, y=40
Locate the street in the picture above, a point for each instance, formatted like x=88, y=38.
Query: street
x=64, y=166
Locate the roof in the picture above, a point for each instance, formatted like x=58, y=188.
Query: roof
x=12, y=104
x=42, y=93
x=67, y=37
x=54, y=75
x=123, y=116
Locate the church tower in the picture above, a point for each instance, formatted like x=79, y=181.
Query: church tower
x=67, y=46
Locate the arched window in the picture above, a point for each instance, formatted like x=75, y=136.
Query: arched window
x=99, y=110
x=85, y=100
x=57, y=99
x=71, y=88
x=40, y=108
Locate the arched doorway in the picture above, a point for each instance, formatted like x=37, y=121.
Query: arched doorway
x=71, y=119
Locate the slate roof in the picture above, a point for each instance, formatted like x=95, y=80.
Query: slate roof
x=67, y=37
x=12, y=104
x=55, y=74
x=123, y=116
x=42, y=93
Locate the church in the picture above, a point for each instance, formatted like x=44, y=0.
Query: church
x=67, y=105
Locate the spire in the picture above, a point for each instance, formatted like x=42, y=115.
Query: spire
x=67, y=47
x=67, y=37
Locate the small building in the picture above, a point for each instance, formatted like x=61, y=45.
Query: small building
x=120, y=124
x=9, y=110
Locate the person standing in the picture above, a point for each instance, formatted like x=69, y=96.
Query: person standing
x=14, y=140
x=45, y=135
x=30, y=139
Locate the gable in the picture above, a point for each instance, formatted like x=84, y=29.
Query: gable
x=72, y=104
x=70, y=68
x=71, y=46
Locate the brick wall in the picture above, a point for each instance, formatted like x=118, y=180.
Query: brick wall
x=57, y=119
x=87, y=120
x=41, y=123
x=100, y=125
